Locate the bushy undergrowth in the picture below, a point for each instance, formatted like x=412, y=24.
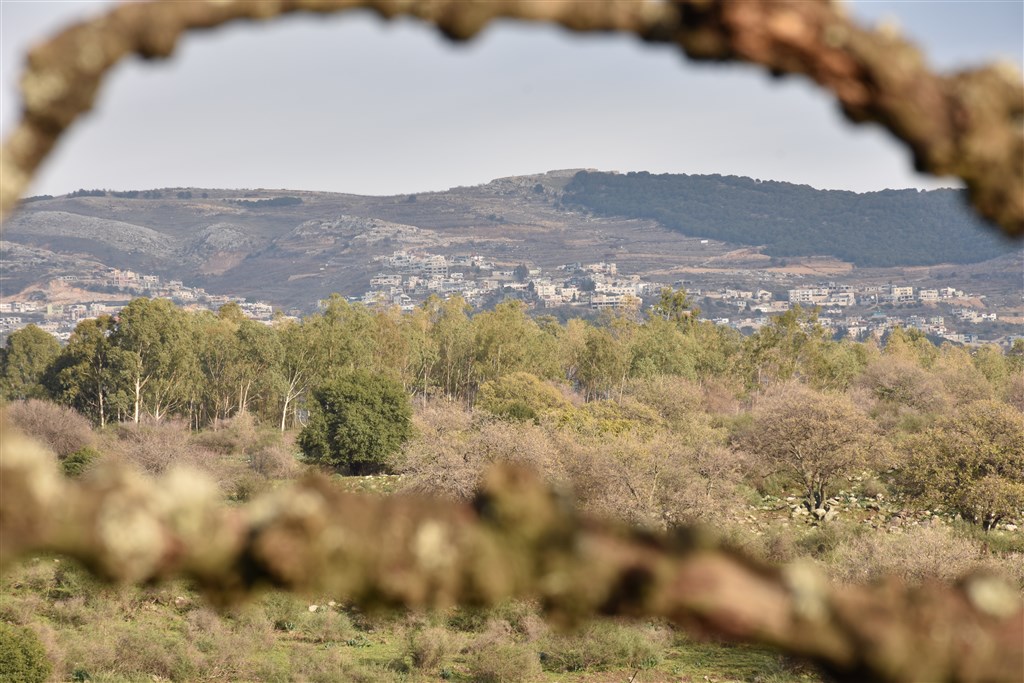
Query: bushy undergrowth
x=604, y=645
x=657, y=451
x=63, y=430
x=22, y=657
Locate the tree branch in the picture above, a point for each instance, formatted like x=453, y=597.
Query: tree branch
x=965, y=124
x=517, y=539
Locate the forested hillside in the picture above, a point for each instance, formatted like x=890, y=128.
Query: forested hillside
x=881, y=229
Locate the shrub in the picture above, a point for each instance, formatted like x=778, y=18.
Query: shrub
x=520, y=397
x=60, y=429
x=467, y=619
x=155, y=446
x=273, y=461
x=916, y=555
x=325, y=625
x=897, y=380
x=22, y=658
x=428, y=648
x=504, y=662
x=604, y=645
x=449, y=455
x=78, y=462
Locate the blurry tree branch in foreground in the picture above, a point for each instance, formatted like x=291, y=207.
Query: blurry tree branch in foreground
x=966, y=124
x=518, y=539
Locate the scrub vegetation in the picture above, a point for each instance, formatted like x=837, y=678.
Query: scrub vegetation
x=892, y=456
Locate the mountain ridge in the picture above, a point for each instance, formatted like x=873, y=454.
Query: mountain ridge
x=295, y=252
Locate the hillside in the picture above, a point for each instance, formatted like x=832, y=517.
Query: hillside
x=293, y=247
x=873, y=229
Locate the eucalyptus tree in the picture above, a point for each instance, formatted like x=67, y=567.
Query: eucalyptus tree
x=784, y=349
x=90, y=373
x=452, y=333
x=162, y=366
x=259, y=362
x=300, y=364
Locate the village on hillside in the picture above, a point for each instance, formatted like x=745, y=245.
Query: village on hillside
x=408, y=278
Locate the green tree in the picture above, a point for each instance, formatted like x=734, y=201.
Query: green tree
x=660, y=347
x=357, y=421
x=299, y=358
x=675, y=307
x=25, y=360
x=217, y=355
x=785, y=348
x=259, y=361
x=972, y=463
x=162, y=364
x=453, y=337
x=502, y=340
x=603, y=364
x=89, y=374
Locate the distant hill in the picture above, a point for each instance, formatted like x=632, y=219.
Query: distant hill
x=293, y=247
x=874, y=229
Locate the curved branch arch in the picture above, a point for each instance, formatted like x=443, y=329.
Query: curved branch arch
x=966, y=124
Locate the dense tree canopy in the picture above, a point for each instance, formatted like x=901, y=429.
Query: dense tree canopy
x=883, y=228
x=356, y=422
x=24, y=361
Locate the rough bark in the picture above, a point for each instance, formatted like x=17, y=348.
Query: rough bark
x=517, y=539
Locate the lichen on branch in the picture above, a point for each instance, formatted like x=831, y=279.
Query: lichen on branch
x=517, y=539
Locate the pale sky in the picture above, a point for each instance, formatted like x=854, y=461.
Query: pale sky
x=355, y=104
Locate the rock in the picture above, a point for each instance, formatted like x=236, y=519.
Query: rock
x=820, y=513
x=312, y=608
x=1010, y=527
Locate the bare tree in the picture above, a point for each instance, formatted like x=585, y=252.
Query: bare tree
x=814, y=437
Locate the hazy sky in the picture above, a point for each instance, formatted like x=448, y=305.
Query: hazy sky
x=355, y=104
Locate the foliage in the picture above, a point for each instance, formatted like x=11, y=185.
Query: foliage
x=504, y=662
x=890, y=227
x=22, y=658
x=428, y=648
x=91, y=373
x=24, y=361
x=159, y=354
x=356, y=423
x=78, y=462
x=520, y=397
x=603, y=645
x=449, y=453
x=972, y=462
